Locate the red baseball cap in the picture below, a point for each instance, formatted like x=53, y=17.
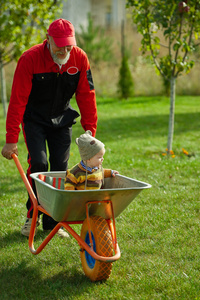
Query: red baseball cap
x=62, y=32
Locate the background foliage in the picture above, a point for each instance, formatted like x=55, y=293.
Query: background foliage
x=178, y=24
x=173, y=25
x=23, y=24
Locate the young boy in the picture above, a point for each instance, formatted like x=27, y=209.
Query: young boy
x=88, y=174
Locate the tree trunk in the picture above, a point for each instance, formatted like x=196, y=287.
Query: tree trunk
x=122, y=39
x=3, y=89
x=171, y=113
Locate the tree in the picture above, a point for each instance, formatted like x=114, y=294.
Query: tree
x=177, y=23
x=125, y=83
x=23, y=24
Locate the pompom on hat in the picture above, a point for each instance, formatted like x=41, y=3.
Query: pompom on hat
x=88, y=145
x=62, y=32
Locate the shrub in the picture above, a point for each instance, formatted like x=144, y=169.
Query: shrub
x=125, y=84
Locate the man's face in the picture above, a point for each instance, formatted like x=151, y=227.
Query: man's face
x=60, y=55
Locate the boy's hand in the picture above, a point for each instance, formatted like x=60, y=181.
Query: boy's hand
x=114, y=172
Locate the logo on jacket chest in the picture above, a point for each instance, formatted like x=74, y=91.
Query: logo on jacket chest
x=72, y=70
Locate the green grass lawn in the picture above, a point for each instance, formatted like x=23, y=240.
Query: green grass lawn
x=158, y=233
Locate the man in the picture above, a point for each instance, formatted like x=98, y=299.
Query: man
x=46, y=77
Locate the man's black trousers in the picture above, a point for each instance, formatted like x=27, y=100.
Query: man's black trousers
x=48, y=148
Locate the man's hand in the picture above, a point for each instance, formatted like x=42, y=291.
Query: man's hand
x=9, y=149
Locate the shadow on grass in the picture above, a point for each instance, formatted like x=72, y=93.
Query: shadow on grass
x=134, y=100
x=11, y=184
x=11, y=238
x=16, y=236
x=26, y=279
x=150, y=125
x=146, y=125
x=26, y=282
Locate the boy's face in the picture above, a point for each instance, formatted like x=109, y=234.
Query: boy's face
x=97, y=160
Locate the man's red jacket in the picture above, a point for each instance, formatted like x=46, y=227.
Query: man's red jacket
x=42, y=91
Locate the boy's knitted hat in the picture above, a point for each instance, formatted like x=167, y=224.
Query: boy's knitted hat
x=88, y=145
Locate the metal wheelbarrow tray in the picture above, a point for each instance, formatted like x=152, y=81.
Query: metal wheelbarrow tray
x=96, y=210
x=65, y=205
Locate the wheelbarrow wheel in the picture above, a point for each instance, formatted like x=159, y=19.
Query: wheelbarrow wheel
x=102, y=245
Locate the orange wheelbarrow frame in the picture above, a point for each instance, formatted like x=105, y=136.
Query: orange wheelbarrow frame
x=65, y=224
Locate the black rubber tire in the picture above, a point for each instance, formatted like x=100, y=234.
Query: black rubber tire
x=102, y=240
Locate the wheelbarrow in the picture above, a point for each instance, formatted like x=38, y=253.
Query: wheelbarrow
x=96, y=210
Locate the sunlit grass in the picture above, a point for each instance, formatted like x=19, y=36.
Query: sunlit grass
x=158, y=233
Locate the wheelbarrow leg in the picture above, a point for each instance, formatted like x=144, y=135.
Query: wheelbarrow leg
x=35, y=211
x=31, y=194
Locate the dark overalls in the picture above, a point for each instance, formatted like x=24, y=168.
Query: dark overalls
x=47, y=123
